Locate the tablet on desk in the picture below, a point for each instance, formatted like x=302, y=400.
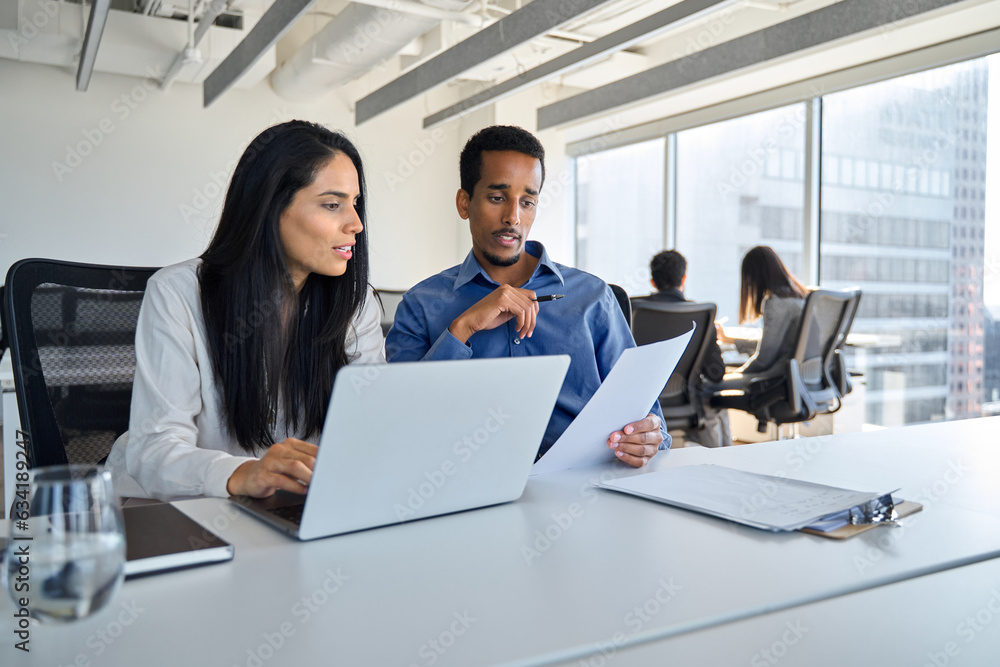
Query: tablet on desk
x=159, y=537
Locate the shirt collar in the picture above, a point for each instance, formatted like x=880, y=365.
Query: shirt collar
x=470, y=268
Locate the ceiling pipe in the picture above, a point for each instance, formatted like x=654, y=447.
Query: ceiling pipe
x=91, y=42
x=212, y=12
x=426, y=11
x=351, y=44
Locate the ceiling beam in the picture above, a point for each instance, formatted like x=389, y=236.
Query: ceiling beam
x=91, y=41
x=272, y=25
x=619, y=40
x=531, y=21
x=833, y=22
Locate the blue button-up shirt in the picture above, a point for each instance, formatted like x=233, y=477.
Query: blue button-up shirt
x=587, y=324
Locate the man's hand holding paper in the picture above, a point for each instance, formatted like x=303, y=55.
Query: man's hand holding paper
x=638, y=442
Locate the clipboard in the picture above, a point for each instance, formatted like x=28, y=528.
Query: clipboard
x=769, y=502
x=903, y=509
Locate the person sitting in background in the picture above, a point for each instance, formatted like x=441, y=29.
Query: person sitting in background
x=766, y=289
x=669, y=274
x=236, y=350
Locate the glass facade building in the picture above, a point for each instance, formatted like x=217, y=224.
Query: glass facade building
x=904, y=213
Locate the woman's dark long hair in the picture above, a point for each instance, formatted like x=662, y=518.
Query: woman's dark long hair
x=270, y=345
x=762, y=275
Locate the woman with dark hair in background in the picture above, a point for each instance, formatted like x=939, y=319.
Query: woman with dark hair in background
x=236, y=351
x=768, y=289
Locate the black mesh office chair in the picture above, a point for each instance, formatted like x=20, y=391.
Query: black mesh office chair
x=623, y=301
x=813, y=381
x=655, y=321
x=72, y=340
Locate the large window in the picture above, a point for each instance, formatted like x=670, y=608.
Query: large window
x=619, y=213
x=908, y=182
x=739, y=184
x=904, y=218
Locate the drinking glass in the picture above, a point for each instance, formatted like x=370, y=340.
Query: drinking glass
x=66, y=549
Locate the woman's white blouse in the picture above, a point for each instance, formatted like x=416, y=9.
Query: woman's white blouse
x=177, y=444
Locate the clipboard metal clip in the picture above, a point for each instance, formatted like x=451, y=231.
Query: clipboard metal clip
x=880, y=510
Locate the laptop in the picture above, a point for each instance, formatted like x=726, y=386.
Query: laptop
x=409, y=441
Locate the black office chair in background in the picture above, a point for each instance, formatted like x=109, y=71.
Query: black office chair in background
x=72, y=340
x=623, y=301
x=3, y=324
x=813, y=381
x=389, y=299
x=655, y=321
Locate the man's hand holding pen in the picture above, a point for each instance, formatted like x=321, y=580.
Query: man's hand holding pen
x=500, y=305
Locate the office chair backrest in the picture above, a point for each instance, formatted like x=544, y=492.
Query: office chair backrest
x=3, y=324
x=838, y=368
x=826, y=321
x=389, y=299
x=623, y=301
x=72, y=340
x=654, y=321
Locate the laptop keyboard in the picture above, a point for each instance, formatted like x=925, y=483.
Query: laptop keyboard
x=291, y=513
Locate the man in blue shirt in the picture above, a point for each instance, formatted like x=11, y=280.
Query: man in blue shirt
x=485, y=307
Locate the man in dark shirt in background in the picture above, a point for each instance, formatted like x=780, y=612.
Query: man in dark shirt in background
x=669, y=271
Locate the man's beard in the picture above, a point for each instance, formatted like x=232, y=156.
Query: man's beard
x=501, y=261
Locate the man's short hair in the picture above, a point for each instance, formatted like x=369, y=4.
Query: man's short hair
x=668, y=269
x=496, y=138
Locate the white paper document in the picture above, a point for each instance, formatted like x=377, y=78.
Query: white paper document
x=762, y=501
x=625, y=396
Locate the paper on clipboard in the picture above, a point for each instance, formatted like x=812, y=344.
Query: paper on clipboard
x=625, y=396
x=761, y=501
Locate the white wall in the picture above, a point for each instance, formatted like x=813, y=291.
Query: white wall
x=126, y=173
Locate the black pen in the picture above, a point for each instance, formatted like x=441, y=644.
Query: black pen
x=549, y=297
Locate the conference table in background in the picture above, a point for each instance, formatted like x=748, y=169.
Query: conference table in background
x=574, y=575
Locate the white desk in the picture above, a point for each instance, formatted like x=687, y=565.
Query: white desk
x=948, y=618
x=622, y=570
x=854, y=339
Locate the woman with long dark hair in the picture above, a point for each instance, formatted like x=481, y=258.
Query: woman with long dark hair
x=236, y=351
x=768, y=289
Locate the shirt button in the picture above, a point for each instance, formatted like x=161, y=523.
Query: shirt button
x=517, y=341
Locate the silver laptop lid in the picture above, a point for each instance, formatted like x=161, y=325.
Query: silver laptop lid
x=413, y=440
